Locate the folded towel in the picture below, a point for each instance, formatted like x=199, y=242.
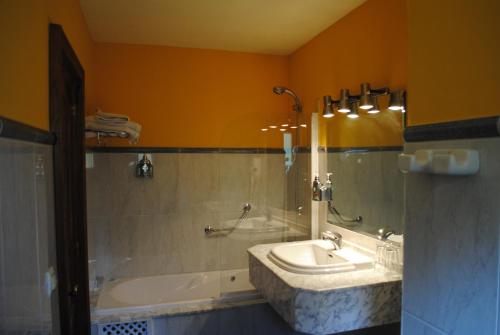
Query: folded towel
x=93, y=119
x=131, y=129
x=110, y=117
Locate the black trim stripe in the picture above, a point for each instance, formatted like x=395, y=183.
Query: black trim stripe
x=464, y=129
x=361, y=149
x=20, y=131
x=183, y=150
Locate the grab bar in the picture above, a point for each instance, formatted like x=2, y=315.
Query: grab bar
x=209, y=230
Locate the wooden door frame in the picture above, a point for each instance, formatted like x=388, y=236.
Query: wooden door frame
x=69, y=175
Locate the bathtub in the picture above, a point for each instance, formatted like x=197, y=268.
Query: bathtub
x=174, y=293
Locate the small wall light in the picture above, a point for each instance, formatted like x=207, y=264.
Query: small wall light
x=344, y=101
x=353, y=114
x=375, y=109
x=327, y=106
x=365, y=99
x=397, y=101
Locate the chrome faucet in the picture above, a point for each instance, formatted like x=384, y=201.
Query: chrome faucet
x=384, y=233
x=335, y=237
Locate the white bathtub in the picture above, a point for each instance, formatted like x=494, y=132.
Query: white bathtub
x=175, y=291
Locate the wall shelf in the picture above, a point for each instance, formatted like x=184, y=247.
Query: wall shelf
x=456, y=162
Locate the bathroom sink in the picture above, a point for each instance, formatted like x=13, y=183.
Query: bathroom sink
x=319, y=257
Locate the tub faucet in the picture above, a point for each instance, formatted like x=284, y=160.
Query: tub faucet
x=384, y=233
x=335, y=237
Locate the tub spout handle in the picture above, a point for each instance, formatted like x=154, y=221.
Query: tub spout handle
x=210, y=230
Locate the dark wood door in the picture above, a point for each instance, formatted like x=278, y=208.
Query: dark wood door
x=66, y=106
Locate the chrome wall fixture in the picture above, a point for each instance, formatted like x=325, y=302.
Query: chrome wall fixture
x=279, y=90
x=367, y=101
x=144, y=168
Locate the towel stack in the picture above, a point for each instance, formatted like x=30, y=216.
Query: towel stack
x=112, y=123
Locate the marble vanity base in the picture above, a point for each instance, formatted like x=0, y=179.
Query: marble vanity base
x=327, y=304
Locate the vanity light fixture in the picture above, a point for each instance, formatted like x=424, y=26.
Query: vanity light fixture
x=353, y=114
x=344, y=101
x=327, y=106
x=365, y=99
x=375, y=109
x=396, y=101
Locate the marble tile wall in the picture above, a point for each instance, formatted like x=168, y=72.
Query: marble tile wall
x=141, y=227
x=299, y=192
x=367, y=184
x=452, y=238
x=27, y=246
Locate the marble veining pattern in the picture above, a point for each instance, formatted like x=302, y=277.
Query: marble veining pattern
x=141, y=227
x=452, y=246
x=326, y=304
x=368, y=184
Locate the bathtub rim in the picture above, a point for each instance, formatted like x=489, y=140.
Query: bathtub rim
x=227, y=299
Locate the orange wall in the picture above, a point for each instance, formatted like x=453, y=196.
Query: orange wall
x=68, y=13
x=454, y=60
x=367, y=45
x=192, y=97
x=24, y=55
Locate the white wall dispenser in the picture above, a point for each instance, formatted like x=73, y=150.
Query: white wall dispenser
x=457, y=162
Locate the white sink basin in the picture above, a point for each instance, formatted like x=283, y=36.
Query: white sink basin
x=319, y=257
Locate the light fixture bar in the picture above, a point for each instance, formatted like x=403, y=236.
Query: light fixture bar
x=367, y=100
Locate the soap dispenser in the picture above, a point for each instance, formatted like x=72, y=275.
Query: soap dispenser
x=316, y=189
x=329, y=190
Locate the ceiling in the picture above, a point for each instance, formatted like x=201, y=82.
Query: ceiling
x=262, y=26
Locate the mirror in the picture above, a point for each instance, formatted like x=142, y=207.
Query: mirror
x=363, y=154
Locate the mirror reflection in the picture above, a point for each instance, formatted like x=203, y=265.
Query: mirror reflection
x=362, y=157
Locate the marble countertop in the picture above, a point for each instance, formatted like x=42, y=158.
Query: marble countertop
x=327, y=303
x=317, y=282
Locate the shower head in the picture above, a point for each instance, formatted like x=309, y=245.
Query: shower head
x=279, y=90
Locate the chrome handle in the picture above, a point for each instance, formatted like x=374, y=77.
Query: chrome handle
x=299, y=210
x=209, y=230
x=247, y=207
